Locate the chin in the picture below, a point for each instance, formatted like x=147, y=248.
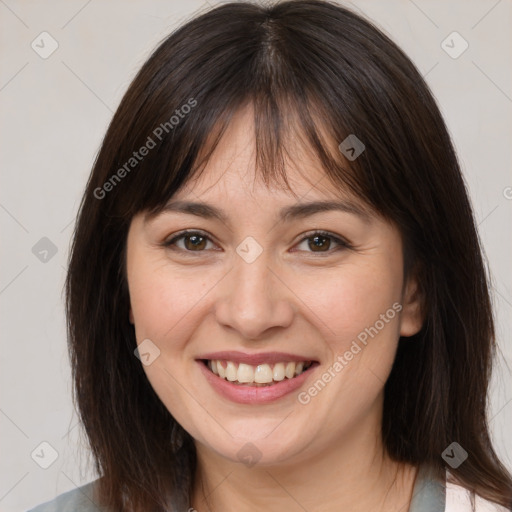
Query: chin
x=258, y=447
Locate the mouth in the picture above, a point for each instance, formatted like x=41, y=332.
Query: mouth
x=254, y=379
x=260, y=375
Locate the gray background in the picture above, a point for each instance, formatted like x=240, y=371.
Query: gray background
x=54, y=114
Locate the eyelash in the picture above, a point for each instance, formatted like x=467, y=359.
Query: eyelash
x=341, y=244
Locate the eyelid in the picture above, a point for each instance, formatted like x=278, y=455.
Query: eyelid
x=181, y=234
x=341, y=242
x=338, y=239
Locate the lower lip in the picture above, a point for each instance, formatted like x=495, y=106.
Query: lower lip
x=254, y=394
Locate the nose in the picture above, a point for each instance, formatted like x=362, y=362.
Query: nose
x=254, y=299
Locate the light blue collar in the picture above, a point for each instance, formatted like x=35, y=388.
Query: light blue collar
x=428, y=495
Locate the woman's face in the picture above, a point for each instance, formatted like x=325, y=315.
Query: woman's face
x=257, y=292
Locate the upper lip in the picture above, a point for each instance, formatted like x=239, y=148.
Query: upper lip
x=254, y=359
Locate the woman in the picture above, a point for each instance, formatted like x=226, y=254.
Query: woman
x=276, y=295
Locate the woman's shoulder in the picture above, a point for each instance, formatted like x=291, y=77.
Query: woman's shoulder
x=458, y=499
x=434, y=494
x=80, y=499
x=431, y=495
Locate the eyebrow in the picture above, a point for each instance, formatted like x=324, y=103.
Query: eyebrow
x=286, y=214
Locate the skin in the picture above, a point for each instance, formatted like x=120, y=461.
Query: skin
x=326, y=455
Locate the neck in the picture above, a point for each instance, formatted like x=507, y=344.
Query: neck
x=355, y=474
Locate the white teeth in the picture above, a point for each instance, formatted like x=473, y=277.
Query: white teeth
x=261, y=374
x=231, y=371
x=290, y=370
x=278, y=371
x=245, y=373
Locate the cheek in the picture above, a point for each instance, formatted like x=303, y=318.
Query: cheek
x=358, y=316
x=164, y=301
x=346, y=301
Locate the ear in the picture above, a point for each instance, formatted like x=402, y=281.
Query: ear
x=132, y=320
x=412, y=317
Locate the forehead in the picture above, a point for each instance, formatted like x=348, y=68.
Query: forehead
x=230, y=181
x=232, y=169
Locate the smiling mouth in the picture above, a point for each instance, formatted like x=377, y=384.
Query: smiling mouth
x=257, y=375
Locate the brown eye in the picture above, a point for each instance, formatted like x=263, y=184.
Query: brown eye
x=193, y=241
x=319, y=243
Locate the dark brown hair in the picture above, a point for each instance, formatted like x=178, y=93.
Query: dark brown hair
x=309, y=68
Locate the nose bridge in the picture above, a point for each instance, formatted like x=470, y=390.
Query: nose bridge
x=255, y=299
x=252, y=280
